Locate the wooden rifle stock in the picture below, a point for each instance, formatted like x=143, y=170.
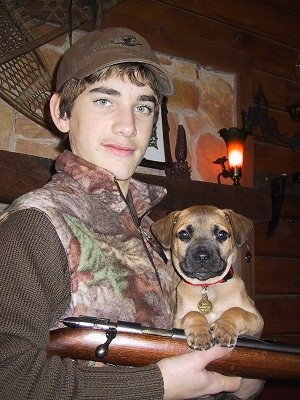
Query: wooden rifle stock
x=140, y=347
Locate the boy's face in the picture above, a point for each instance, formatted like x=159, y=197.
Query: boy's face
x=111, y=124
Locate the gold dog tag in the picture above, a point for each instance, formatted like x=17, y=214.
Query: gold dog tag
x=204, y=305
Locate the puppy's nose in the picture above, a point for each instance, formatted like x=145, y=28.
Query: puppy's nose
x=201, y=257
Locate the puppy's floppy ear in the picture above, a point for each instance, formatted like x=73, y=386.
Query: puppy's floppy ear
x=240, y=224
x=162, y=229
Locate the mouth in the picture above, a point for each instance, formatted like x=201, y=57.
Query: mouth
x=201, y=276
x=118, y=149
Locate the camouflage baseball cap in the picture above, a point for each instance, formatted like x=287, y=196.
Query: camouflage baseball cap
x=102, y=48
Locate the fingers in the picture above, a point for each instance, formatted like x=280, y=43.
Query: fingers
x=229, y=384
x=213, y=353
x=216, y=382
x=249, y=388
x=185, y=376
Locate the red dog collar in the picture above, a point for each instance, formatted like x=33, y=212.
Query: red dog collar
x=226, y=278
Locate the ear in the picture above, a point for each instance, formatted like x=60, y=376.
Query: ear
x=162, y=229
x=61, y=123
x=241, y=226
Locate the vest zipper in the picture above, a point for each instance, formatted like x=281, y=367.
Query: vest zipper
x=144, y=235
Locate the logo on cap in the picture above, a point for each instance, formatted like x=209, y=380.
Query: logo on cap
x=127, y=40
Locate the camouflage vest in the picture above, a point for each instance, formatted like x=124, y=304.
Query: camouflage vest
x=114, y=272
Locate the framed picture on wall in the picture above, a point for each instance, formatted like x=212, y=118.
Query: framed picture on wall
x=158, y=155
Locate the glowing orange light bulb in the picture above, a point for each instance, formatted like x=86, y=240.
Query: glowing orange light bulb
x=235, y=154
x=234, y=139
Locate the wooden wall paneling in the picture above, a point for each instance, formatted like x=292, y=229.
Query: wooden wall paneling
x=271, y=57
x=277, y=276
x=290, y=206
x=280, y=92
x=290, y=210
x=249, y=15
x=280, y=315
x=284, y=242
x=273, y=158
x=287, y=7
x=286, y=125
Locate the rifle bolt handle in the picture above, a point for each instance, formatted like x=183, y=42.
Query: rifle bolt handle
x=102, y=350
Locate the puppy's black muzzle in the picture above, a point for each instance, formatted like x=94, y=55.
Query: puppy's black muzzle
x=202, y=263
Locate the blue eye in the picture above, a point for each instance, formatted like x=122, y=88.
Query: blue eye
x=144, y=109
x=102, y=102
x=183, y=235
x=222, y=236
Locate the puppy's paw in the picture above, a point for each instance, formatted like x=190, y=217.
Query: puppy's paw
x=199, y=339
x=224, y=333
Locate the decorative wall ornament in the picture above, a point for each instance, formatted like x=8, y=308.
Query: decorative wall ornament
x=257, y=116
x=25, y=77
x=180, y=168
x=278, y=191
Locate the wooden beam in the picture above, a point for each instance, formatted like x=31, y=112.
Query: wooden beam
x=182, y=193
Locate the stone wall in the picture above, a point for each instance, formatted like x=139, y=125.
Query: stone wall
x=204, y=103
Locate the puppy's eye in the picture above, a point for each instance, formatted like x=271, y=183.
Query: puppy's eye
x=183, y=235
x=222, y=236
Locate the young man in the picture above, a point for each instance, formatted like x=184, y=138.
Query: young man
x=82, y=244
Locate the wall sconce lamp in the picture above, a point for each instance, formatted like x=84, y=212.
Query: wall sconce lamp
x=234, y=139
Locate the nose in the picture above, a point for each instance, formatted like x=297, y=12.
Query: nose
x=201, y=257
x=124, y=123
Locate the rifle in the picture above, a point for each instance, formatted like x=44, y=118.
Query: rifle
x=126, y=343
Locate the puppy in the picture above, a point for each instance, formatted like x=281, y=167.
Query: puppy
x=212, y=303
